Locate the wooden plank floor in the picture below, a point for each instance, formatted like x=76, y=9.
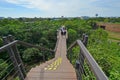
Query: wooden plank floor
x=58, y=68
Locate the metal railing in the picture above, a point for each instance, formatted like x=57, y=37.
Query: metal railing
x=16, y=64
x=86, y=66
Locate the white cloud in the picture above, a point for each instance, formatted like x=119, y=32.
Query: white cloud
x=51, y=7
x=13, y=1
x=38, y=4
x=61, y=7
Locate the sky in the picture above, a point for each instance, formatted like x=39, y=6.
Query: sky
x=58, y=8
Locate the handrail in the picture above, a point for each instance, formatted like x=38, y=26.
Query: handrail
x=72, y=45
x=58, y=32
x=31, y=45
x=10, y=46
x=22, y=43
x=100, y=75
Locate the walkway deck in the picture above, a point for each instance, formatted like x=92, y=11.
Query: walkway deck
x=58, y=68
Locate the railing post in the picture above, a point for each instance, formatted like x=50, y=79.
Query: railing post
x=70, y=56
x=13, y=59
x=81, y=67
x=43, y=55
x=83, y=36
x=78, y=71
x=86, y=62
x=85, y=40
x=17, y=56
x=82, y=58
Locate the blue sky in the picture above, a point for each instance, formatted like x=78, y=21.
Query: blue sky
x=57, y=8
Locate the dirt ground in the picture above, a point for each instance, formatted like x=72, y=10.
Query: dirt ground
x=114, y=27
x=113, y=30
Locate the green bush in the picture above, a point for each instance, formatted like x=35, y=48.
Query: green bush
x=3, y=66
x=105, y=52
x=31, y=55
x=72, y=35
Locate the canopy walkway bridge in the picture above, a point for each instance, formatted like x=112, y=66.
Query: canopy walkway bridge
x=58, y=68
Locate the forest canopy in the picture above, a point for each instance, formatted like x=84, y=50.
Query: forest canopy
x=43, y=31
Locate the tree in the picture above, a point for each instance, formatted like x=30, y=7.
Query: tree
x=96, y=15
x=3, y=66
x=31, y=55
x=72, y=35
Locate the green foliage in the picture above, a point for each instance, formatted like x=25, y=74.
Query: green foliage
x=98, y=36
x=17, y=78
x=0, y=42
x=31, y=55
x=72, y=35
x=43, y=32
x=106, y=19
x=3, y=66
x=105, y=52
x=73, y=55
x=114, y=74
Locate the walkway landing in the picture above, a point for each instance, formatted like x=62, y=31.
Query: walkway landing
x=58, y=68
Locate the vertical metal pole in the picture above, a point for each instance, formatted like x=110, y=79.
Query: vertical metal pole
x=79, y=70
x=70, y=55
x=85, y=41
x=13, y=59
x=81, y=56
x=83, y=36
x=43, y=56
x=17, y=55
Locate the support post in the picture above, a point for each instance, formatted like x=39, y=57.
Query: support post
x=17, y=56
x=13, y=59
x=85, y=40
x=70, y=55
x=43, y=56
x=83, y=36
x=82, y=58
x=78, y=70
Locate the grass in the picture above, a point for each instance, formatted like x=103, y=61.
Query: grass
x=114, y=36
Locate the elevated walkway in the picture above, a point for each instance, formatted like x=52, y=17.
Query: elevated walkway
x=58, y=68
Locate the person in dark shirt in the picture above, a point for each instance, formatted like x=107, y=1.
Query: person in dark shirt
x=63, y=30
